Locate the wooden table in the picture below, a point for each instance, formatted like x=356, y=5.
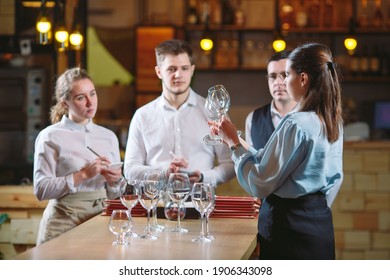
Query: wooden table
x=234, y=239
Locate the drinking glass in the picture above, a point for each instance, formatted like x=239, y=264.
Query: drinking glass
x=217, y=105
x=208, y=212
x=178, y=189
x=129, y=196
x=120, y=224
x=149, y=192
x=213, y=114
x=156, y=175
x=202, y=199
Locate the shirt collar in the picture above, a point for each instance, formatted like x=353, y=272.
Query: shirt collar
x=191, y=101
x=275, y=113
x=76, y=126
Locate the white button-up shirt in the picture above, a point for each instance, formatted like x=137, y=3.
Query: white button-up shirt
x=157, y=130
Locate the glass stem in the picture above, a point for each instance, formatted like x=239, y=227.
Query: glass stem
x=203, y=224
x=154, y=214
x=178, y=215
x=207, y=223
x=148, y=223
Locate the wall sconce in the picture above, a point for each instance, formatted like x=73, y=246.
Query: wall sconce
x=61, y=36
x=43, y=26
x=350, y=41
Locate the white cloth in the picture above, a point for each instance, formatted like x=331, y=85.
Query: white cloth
x=157, y=129
x=61, y=150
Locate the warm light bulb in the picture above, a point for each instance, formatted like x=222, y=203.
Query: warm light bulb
x=76, y=39
x=43, y=25
x=62, y=35
x=350, y=44
x=206, y=44
x=279, y=45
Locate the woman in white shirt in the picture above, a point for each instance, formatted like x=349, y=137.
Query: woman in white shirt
x=66, y=172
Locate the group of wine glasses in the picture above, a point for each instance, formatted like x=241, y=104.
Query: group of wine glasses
x=217, y=105
x=148, y=192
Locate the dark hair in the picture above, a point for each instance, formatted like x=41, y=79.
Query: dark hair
x=63, y=90
x=173, y=47
x=279, y=56
x=324, y=92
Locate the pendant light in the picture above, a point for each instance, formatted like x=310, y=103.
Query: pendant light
x=43, y=26
x=279, y=44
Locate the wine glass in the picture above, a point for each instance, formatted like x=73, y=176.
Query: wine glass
x=178, y=189
x=129, y=196
x=213, y=114
x=217, y=105
x=208, y=212
x=120, y=224
x=202, y=199
x=149, y=194
x=159, y=176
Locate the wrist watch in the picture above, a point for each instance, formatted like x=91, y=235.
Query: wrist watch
x=235, y=147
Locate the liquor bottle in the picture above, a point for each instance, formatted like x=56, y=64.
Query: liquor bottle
x=377, y=20
x=227, y=12
x=192, y=16
x=363, y=18
x=375, y=62
x=301, y=15
x=239, y=16
x=287, y=15
x=314, y=11
x=328, y=13
x=364, y=62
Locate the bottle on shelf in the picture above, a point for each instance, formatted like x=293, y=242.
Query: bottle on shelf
x=301, y=15
x=364, y=62
x=216, y=13
x=374, y=61
x=227, y=12
x=314, y=11
x=239, y=16
x=328, y=13
x=378, y=19
x=363, y=17
x=192, y=15
x=287, y=15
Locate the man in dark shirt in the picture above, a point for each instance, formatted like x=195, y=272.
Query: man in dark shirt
x=261, y=122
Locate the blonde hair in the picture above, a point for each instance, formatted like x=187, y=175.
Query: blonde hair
x=63, y=90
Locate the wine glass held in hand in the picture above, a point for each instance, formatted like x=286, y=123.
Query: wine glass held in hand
x=120, y=224
x=202, y=199
x=213, y=114
x=217, y=106
x=129, y=196
x=178, y=190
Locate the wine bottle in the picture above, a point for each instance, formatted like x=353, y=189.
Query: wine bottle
x=314, y=19
x=328, y=13
x=192, y=16
x=301, y=15
x=377, y=20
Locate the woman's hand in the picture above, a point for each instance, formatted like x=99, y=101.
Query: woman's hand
x=225, y=129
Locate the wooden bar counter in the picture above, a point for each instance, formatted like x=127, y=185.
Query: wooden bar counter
x=234, y=239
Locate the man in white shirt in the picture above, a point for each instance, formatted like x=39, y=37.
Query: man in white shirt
x=168, y=132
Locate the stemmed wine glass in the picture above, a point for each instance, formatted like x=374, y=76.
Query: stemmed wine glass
x=156, y=175
x=178, y=189
x=208, y=212
x=120, y=224
x=129, y=195
x=149, y=195
x=214, y=115
x=217, y=105
x=202, y=199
